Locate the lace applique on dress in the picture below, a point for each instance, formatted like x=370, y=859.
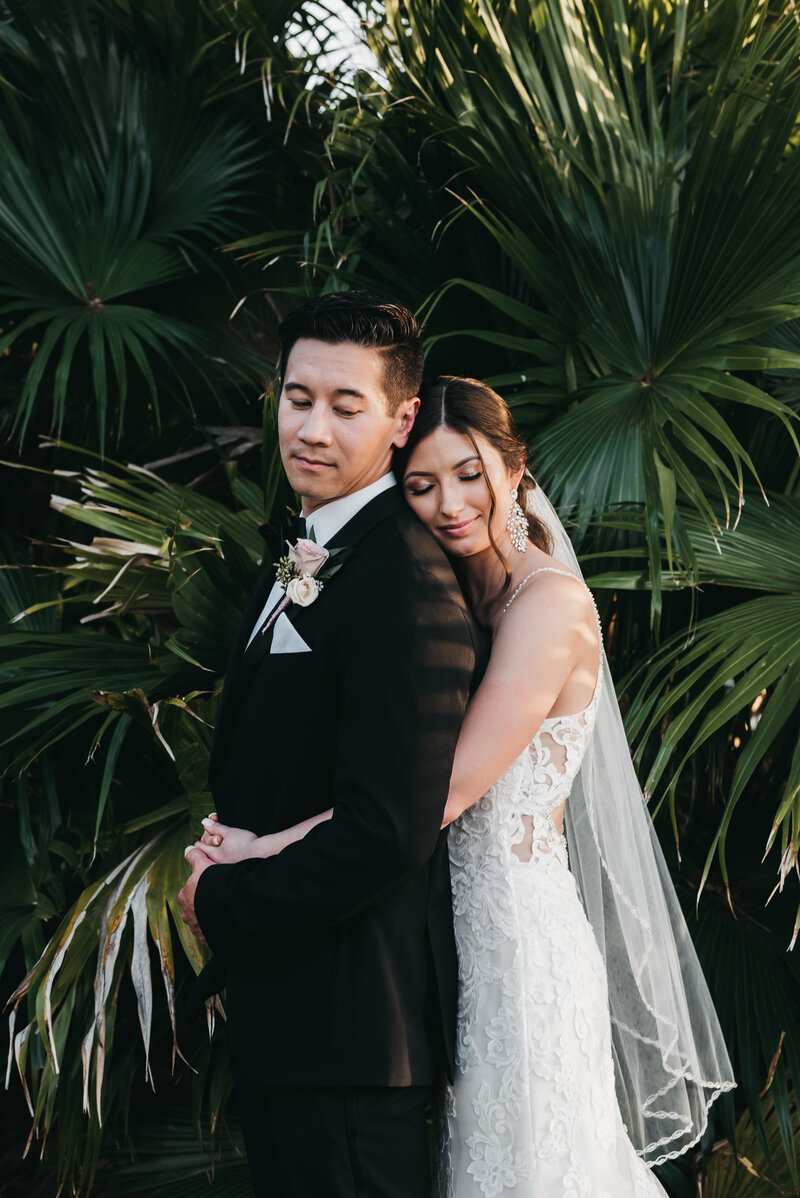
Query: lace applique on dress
x=533, y=1112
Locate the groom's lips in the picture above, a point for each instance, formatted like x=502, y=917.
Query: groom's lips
x=311, y=463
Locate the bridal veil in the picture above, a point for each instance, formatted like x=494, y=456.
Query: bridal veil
x=670, y=1058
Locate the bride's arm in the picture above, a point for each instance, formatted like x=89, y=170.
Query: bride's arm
x=540, y=642
x=225, y=845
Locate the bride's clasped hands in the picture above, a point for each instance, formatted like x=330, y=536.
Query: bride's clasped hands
x=225, y=845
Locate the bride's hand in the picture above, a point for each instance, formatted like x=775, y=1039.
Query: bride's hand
x=225, y=845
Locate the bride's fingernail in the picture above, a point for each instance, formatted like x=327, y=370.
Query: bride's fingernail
x=188, y=850
x=207, y=823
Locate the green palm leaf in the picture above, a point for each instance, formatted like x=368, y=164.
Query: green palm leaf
x=655, y=329
x=170, y=1163
x=95, y=226
x=742, y=665
x=160, y=549
x=107, y=936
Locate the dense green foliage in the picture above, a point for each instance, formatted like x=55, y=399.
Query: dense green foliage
x=594, y=208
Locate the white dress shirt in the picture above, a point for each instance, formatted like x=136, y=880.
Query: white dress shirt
x=325, y=522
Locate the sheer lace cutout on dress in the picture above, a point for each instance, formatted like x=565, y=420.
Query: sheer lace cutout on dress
x=556, y=752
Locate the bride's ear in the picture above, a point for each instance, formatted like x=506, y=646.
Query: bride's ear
x=515, y=477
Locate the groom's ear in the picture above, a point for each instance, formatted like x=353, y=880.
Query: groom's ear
x=406, y=416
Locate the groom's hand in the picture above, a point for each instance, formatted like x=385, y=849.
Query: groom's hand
x=198, y=862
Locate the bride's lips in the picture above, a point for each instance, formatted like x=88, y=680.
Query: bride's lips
x=458, y=530
x=313, y=464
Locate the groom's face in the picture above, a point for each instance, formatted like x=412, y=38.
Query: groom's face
x=335, y=429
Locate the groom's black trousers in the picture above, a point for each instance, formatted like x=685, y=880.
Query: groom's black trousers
x=336, y=1142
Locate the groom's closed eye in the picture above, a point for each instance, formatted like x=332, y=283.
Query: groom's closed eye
x=300, y=404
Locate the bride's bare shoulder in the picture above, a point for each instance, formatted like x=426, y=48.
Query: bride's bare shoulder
x=546, y=587
x=553, y=606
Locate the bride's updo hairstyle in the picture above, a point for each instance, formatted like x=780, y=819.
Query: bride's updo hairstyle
x=467, y=406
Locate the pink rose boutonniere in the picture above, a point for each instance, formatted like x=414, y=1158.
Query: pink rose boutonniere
x=308, y=557
x=303, y=572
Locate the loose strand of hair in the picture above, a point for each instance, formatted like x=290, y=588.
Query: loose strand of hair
x=492, y=510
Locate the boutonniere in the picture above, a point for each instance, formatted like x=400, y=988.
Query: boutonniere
x=303, y=572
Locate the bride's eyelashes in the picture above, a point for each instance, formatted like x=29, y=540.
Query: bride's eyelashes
x=462, y=478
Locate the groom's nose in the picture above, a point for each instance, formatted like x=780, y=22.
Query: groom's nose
x=316, y=428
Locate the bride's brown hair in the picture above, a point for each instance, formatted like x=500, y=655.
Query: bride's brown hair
x=467, y=406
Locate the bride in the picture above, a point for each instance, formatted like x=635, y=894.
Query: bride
x=588, y=1048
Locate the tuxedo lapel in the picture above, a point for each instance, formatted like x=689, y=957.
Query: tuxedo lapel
x=388, y=503
x=245, y=628
x=251, y=659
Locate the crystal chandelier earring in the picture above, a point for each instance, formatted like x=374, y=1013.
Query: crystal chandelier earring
x=517, y=525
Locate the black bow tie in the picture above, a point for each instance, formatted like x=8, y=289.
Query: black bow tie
x=278, y=535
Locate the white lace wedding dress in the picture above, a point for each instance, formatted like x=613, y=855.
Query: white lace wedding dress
x=533, y=1112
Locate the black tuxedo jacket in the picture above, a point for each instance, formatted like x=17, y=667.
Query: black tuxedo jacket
x=339, y=954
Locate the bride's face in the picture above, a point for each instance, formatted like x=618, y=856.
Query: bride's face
x=445, y=483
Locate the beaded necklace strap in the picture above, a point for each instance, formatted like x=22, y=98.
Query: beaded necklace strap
x=541, y=570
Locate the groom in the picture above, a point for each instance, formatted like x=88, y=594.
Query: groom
x=338, y=954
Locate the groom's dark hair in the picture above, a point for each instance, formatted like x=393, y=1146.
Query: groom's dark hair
x=363, y=318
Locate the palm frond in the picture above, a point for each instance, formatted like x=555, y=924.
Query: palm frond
x=166, y=576
x=754, y=1165
x=104, y=207
x=170, y=1163
x=737, y=671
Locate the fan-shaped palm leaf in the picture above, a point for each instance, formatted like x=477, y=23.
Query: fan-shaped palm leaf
x=170, y=1163
x=117, y=183
x=742, y=663
x=649, y=327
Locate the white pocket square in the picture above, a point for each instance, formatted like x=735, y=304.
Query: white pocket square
x=286, y=638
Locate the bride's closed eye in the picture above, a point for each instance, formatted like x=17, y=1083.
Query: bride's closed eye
x=462, y=478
